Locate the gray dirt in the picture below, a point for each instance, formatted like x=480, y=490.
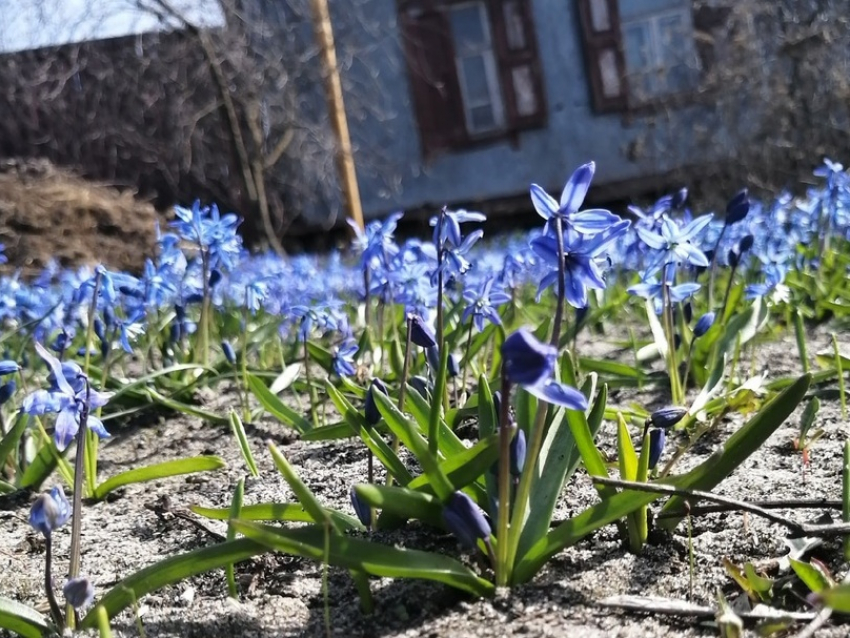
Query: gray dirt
x=282, y=595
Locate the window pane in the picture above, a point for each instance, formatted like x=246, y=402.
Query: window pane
x=474, y=80
x=599, y=18
x=514, y=25
x=468, y=29
x=640, y=64
x=609, y=73
x=526, y=100
x=482, y=118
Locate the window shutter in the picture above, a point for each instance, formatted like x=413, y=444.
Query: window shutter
x=519, y=63
x=433, y=79
x=600, y=27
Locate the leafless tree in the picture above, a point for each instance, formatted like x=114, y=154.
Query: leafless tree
x=773, y=96
x=232, y=113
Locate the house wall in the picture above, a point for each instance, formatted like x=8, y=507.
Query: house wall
x=393, y=175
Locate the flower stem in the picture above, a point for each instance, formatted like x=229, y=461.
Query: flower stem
x=55, y=610
x=77, y=504
x=562, y=285
x=672, y=365
x=503, y=567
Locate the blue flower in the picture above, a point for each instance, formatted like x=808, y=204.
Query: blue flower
x=79, y=592
x=420, y=332
x=657, y=438
x=572, y=197
x=343, y=358
x=482, y=300
x=50, y=511
x=531, y=364
x=704, y=323
x=581, y=271
x=376, y=242
x=68, y=403
x=651, y=289
x=674, y=244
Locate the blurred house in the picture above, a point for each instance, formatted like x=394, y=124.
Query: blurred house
x=465, y=102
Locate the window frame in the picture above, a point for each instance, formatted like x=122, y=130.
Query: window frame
x=434, y=140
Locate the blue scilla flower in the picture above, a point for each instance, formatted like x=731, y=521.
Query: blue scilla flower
x=657, y=438
x=376, y=243
x=8, y=367
x=581, y=270
x=531, y=364
x=50, y=511
x=343, y=358
x=482, y=301
x=447, y=234
x=208, y=229
x=572, y=197
x=67, y=402
x=652, y=289
x=78, y=591
x=704, y=323
x=774, y=276
x=674, y=244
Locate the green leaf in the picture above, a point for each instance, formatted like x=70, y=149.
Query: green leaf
x=738, y=447
x=140, y=384
x=321, y=355
x=169, y=571
x=293, y=512
x=158, y=471
x=761, y=585
x=614, y=368
x=306, y=497
x=409, y=435
x=806, y=420
x=22, y=620
x=402, y=502
x=837, y=598
x=191, y=410
x=285, y=378
x=235, y=509
x=374, y=441
x=42, y=465
x=277, y=408
x=242, y=441
x=813, y=575
x=628, y=459
x=13, y=436
x=464, y=468
x=368, y=557
x=331, y=432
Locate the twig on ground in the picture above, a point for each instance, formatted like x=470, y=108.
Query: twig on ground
x=673, y=607
x=818, y=622
x=797, y=529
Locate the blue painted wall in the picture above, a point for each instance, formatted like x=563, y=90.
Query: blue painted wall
x=392, y=174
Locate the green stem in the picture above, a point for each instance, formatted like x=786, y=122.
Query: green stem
x=672, y=365
x=466, y=361
x=77, y=504
x=55, y=609
x=503, y=566
x=800, y=334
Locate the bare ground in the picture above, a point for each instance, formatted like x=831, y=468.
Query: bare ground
x=282, y=595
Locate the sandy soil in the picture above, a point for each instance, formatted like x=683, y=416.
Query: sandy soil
x=282, y=595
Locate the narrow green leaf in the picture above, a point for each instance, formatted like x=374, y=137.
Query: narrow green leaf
x=277, y=408
x=409, y=435
x=739, y=446
x=235, y=509
x=43, y=465
x=403, y=502
x=293, y=512
x=614, y=368
x=812, y=576
x=158, y=471
x=303, y=493
x=169, y=571
x=374, y=441
x=628, y=459
x=140, y=384
x=420, y=409
x=331, y=432
x=761, y=585
x=320, y=355
x=13, y=436
x=371, y=558
x=242, y=442
x=464, y=468
x=21, y=619
x=178, y=406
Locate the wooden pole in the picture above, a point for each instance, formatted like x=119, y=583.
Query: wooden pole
x=333, y=88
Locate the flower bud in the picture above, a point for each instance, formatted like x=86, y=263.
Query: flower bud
x=526, y=360
x=432, y=356
x=420, y=333
x=8, y=367
x=687, y=311
x=737, y=208
x=704, y=324
x=6, y=391
x=733, y=257
x=363, y=511
x=421, y=385
x=79, y=592
x=99, y=329
x=370, y=408
x=229, y=353
x=465, y=520
x=656, y=446
x=746, y=243
x=50, y=511
x=518, y=452
x=454, y=365
x=679, y=198
x=666, y=418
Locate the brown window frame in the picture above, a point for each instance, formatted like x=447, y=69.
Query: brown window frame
x=434, y=83
x=595, y=42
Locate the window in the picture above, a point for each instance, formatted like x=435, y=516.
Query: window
x=638, y=52
x=473, y=69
